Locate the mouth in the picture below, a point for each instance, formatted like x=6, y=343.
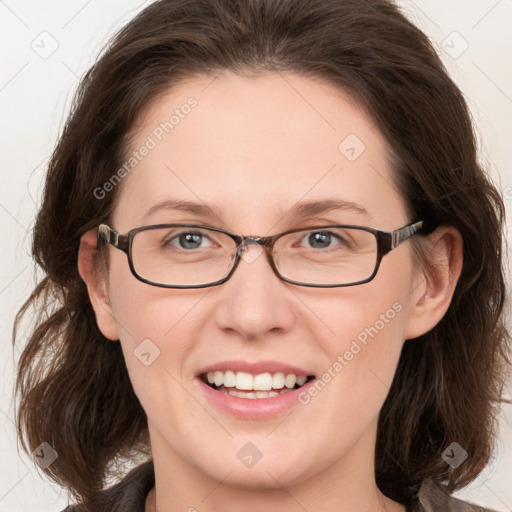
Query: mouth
x=245, y=385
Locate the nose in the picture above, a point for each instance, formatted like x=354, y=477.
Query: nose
x=254, y=301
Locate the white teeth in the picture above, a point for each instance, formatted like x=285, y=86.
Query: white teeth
x=261, y=382
x=244, y=381
x=252, y=394
x=301, y=380
x=229, y=379
x=218, y=378
x=278, y=380
x=290, y=381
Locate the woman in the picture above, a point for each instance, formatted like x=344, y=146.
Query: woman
x=273, y=269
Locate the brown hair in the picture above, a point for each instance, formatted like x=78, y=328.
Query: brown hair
x=75, y=392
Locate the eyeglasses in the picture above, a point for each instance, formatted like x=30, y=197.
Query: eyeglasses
x=192, y=256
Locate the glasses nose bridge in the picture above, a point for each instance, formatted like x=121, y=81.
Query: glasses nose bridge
x=263, y=241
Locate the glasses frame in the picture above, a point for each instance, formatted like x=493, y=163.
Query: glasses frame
x=386, y=242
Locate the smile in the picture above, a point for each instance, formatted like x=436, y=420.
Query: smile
x=246, y=385
x=253, y=404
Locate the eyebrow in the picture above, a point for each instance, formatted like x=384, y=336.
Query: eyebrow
x=300, y=211
x=311, y=208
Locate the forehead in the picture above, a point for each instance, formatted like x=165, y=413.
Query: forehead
x=255, y=147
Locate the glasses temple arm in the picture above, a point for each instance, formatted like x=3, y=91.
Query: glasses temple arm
x=402, y=234
x=107, y=235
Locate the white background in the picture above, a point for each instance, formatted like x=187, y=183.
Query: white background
x=35, y=95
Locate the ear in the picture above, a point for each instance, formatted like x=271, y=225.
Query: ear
x=433, y=292
x=96, y=280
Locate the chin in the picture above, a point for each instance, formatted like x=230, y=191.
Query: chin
x=257, y=479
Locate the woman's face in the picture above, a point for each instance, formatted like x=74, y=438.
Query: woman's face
x=254, y=149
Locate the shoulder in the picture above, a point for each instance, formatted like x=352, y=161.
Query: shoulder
x=128, y=495
x=433, y=497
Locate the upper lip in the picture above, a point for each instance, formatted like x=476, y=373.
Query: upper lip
x=254, y=368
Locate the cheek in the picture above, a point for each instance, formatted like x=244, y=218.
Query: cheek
x=158, y=330
x=368, y=324
x=142, y=311
x=361, y=364
x=374, y=310
x=368, y=343
x=154, y=361
x=158, y=322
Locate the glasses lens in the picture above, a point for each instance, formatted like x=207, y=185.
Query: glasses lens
x=326, y=256
x=183, y=256
x=190, y=256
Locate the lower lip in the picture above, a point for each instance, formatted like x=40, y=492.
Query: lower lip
x=253, y=408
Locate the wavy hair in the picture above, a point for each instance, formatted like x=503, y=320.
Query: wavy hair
x=73, y=386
